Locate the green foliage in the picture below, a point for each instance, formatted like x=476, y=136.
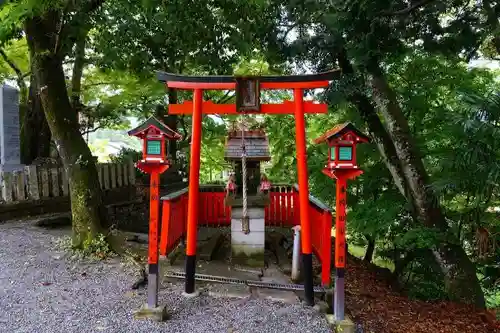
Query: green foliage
x=419, y=238
x=16, y=52
x=492, y=297
x=129, y=154
x=119, y=94
x=126, y=155
x=96, y=248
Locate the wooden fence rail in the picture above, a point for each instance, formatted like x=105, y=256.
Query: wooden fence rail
x=42, y=182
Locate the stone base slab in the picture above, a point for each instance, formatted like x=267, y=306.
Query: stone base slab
x=157, y=314
x=341, y=326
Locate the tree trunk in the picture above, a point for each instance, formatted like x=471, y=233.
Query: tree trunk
x=401, y=157
x=35, y=131
x=460, y=274
x=370, y=249
x=171, y=121
x=86, y=201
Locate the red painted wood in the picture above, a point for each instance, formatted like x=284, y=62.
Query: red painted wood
x=232, y=85
x=165, y=226
x=283, y=210
x=341, y=197
x=154, y=212
x=294, y=85
x=210, y=107
x=326, y=251
x=213, y=211
x=194, y=174
x=283, y=218
x=174, y=219
x=202, y=85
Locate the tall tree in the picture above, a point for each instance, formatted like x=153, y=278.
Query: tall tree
x=52, y=28
x=363, y=39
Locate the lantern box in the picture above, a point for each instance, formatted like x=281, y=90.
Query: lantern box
x=342, y=141
x=155, y=136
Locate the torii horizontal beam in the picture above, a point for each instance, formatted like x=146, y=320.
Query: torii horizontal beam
x=209, y=107
x=228, y=82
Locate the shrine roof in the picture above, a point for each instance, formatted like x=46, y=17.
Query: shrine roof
x=256, y=146
x=140, y=130
x=340, y=130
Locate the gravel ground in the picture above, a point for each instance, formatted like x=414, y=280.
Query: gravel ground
x=41, y=290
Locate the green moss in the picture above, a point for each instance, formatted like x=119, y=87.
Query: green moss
x=256, y=259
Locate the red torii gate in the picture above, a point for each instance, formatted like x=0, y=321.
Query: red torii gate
x=248, y=102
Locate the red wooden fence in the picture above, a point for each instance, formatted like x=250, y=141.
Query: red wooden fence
x=173, y=221
x=283, y=211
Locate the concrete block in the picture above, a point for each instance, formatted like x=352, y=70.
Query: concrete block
x=256, y=238
x=247, y=249
x=252, y=212
x=157, y=314
x=247, y=255
x=254, y=224
x=341, y=326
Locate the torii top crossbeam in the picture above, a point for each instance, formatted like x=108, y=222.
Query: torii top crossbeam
x=251, y=85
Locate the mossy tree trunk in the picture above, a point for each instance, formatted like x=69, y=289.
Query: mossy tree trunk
x=42, y=33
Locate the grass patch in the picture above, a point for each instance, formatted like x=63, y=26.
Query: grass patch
x=359, y=252
x=94, y=249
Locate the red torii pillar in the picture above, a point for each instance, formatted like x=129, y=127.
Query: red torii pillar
x=305, y=225
x=194, y=189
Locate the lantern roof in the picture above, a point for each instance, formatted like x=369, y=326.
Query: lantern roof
x=141, y=130
x=341, y=129
x=256, y=146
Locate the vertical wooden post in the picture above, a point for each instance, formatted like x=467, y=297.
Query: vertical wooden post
x=6, y=182
x=19, y=183
x=54, y=179
x=154, y=202
x=105, y=174
x=326, y=248
x=305, y=225
x=33, y=191
x=165, y=226
x=340, y=255
x=44, y=179
x=112, y=173
x=131, y=170
x=194, y=189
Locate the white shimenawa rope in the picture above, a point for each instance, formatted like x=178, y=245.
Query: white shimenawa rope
x=244, y=174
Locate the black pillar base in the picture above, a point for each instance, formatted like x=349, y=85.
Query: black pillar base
x=190, y=271
x=308, y=278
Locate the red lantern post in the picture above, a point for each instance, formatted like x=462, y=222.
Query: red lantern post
x=155, y=135
x=341, y=165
